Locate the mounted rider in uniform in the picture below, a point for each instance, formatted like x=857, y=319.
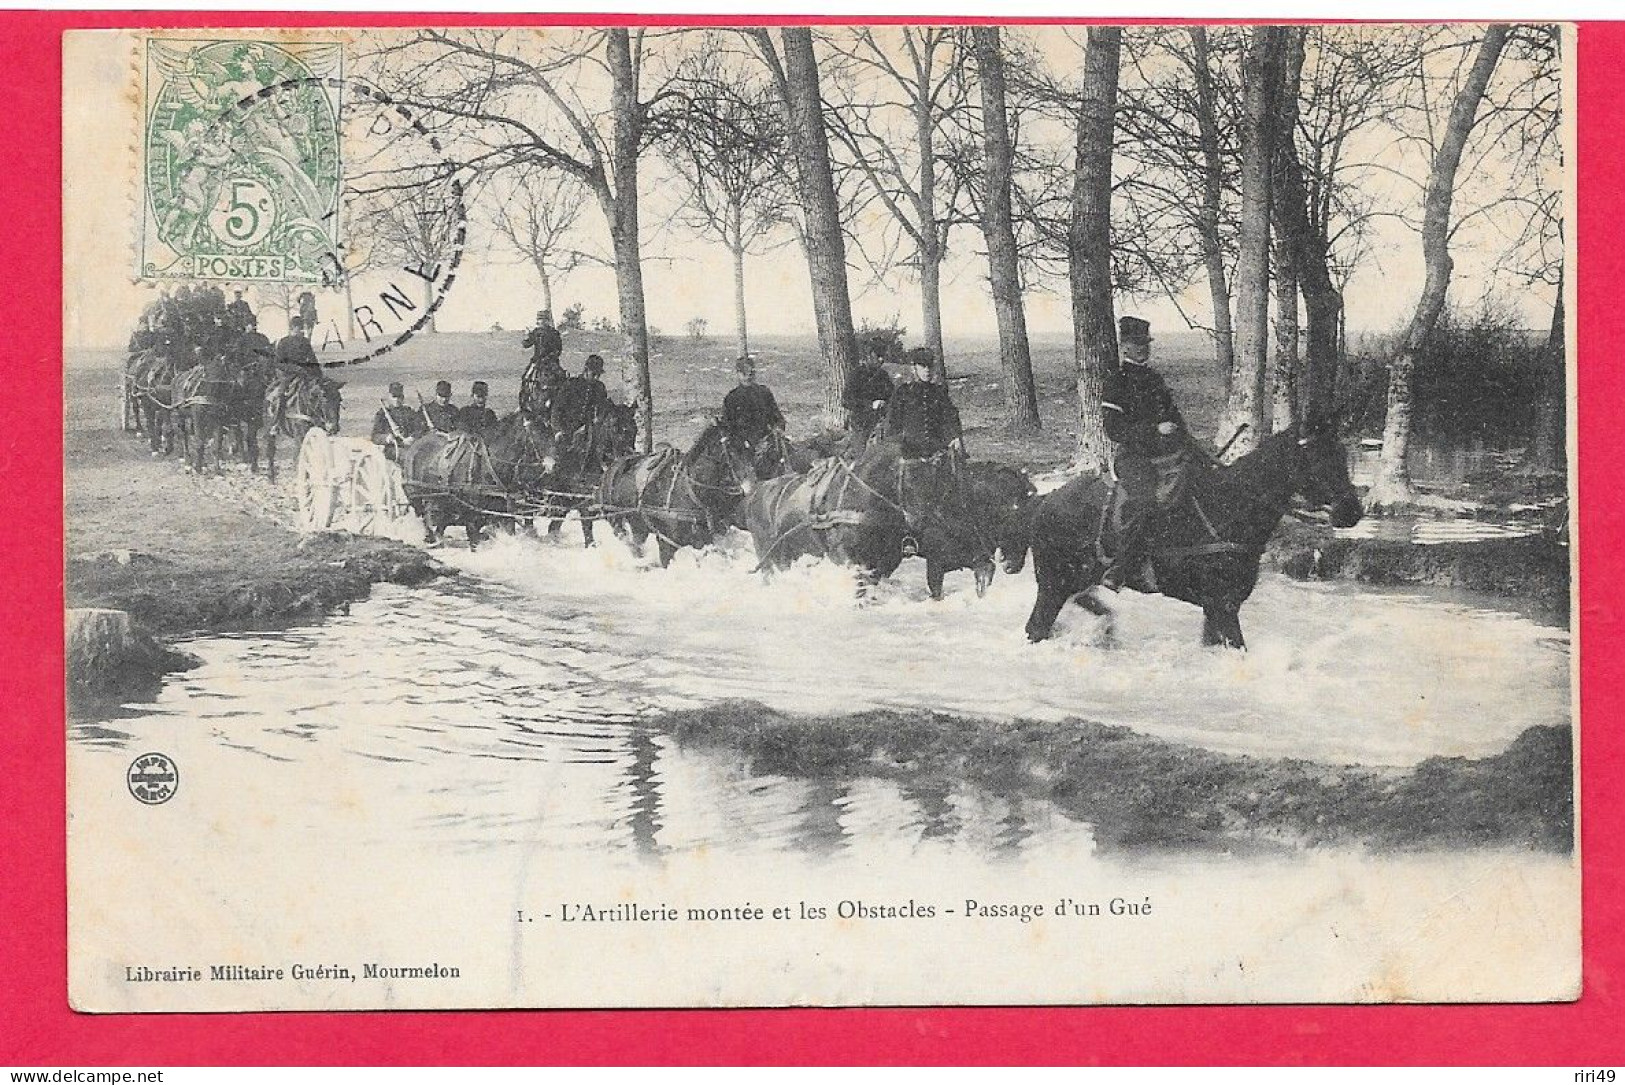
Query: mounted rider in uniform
x=1145, y=425
x=295, y=349
x=750, y=414
x=920, y=415
x=544, y=374
x=476, y=417
x=867, y=394
x=440, y=414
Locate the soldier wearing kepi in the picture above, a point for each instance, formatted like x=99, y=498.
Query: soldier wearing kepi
x=749, y=412
x=295, y=349
x=1144, y=424
x=920, y=416
x=475, y=417
x=441, y=415
x=867, y=395
x=395, y=423
x=544, y=374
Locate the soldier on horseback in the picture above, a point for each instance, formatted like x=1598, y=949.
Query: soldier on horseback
x=750, y=414
x=867, y=396
x=1147, y=431
x=295, y=349
x=440, y=414
x=476, y=416
x=544, y=374
x=920, y=415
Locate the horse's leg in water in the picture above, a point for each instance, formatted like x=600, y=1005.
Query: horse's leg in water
x=586, y=528
x=1056, y=584
x=934, y=572
x=984, y=578
x=270, y=453
x=472, y=525
x=668, y=550
x=1221, y=625
x=251, y=442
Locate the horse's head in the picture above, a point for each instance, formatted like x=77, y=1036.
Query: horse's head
x=1003, y=500
x=316, y=399
x=721, y=462
x=1320, y=474
x=620, y=429
x=329, y=401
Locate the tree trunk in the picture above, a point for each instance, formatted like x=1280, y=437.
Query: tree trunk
x=624, y=222
x=1094, y=331
x=547, y=284
x=930, y=247
x=1307, y=247
x=1243, y=415
x=1003, y=264
x=1549, y=449
x=1392, y=486
x=1207, y=125
x=825, y=245
x=1283, y=377
x=739, y=299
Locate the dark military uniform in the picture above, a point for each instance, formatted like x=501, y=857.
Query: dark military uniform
x=1135, y=403
x=240, y=314
x=750, y=413
x=407, y=424
x=475, y=418
x=441, y=416
x=922, y=419
x=869, y=386
x=544, y=342
x=295, y=349
x=254, y=347
x=540, y=384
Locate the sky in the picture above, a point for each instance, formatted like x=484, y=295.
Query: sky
x=686, y=276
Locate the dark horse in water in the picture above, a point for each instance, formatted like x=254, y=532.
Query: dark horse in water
x=460, y=478
x=871, y=511
x=590, y=432
x=681, y=498
x=297, y=400
x=1206, y=547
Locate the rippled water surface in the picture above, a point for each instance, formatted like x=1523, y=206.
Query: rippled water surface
x=514, y=705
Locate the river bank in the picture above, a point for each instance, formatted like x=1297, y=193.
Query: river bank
x=1139, y=791
x=181, y=554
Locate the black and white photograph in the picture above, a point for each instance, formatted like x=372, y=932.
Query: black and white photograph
x=850, y=515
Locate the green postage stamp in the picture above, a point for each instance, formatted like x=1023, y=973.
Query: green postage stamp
x=241, y=159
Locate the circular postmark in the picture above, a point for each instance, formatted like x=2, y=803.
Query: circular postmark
x=394, y=236
x=153, y=778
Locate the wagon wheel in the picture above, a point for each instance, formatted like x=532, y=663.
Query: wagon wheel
x=314, y=482
x=376, y=497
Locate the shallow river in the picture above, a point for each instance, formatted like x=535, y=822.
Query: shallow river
x=523, y=689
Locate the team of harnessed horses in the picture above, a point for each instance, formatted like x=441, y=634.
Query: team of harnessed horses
x=867, y=506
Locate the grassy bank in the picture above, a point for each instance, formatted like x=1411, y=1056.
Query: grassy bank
x=1140, y=791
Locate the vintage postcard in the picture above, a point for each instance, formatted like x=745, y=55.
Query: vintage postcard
x=718, y=516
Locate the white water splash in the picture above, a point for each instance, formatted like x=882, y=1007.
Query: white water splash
x=1333, y=673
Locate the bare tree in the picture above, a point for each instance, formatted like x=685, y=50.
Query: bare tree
x=1003, y=260
x=1243, y=424
x=1391, y=486
x=535, y=209
x=795, y=74
x=728, y=147
x=502, y=94
x=407, y=225
x=1094, y=332
x=906, y=82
